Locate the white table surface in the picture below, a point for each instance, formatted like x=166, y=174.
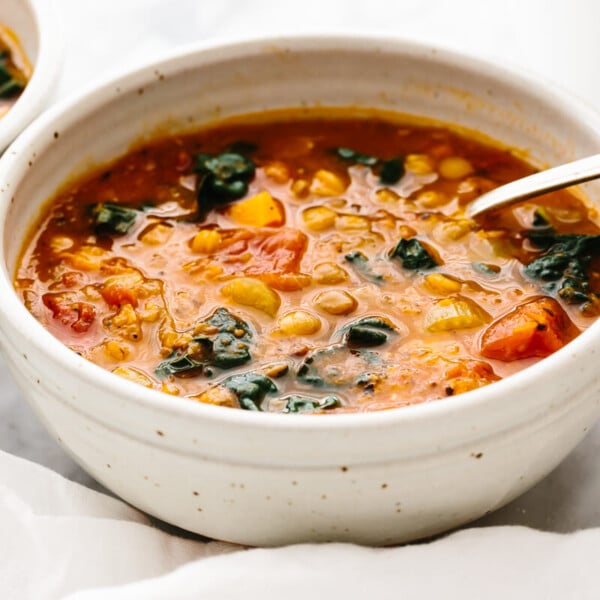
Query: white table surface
x=556, y=39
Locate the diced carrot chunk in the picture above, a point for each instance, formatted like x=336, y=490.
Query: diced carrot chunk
x=534, y=329
x=476, y=369
x=468, y=375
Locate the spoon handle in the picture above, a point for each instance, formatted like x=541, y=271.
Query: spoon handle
x=549, y=180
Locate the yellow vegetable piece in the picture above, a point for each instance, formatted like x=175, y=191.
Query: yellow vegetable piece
x=169, y=388
x=130, y=279
x=87, y=258
x=60, y=243
x=451, y=231
x=406, y=231
x=319, y=218
x=299, y=322
x=336, y=302
x=442, y=285
x=134, y=375
x=125, y=323
x=206, y=241
x=300, y=188
x=261, y=210
x=219, y=396
x=432, y=199
x=327, y=183
x=352, y=223
x=277, y=171
x=386, y=195
x=328, y=273
x=115, y=351
x=157, y=235
x=455, y=167
x=254, y=293
x=419, y=164
x=151, y=313
x=454, y=313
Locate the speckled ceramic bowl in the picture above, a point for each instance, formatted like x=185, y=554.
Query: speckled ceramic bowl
x=266, y=479
x=34, y=24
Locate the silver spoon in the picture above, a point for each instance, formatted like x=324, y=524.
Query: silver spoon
x=549, y=180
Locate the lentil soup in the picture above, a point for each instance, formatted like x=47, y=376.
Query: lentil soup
x=311, y=262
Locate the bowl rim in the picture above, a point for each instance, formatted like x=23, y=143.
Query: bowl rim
x=45, y=72
x=96, y=94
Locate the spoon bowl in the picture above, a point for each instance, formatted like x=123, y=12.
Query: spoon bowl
x=556, y=178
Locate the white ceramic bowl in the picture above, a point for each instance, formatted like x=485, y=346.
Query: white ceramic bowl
x=268, y=479
x=34, y=23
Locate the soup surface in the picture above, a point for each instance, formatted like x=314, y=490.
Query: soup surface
x=15, y=70
x=310, y=262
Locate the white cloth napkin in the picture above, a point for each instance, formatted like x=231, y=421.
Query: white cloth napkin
x=58, y=538
x=504, y=563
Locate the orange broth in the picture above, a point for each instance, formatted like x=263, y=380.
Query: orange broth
x=342, y=277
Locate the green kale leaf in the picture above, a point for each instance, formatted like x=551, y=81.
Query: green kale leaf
x=356, y=157
x=413, y=255
x=302, y=404
x=565, y=263
x=225, y=345
x=336, y=365
x=368, y=331
x=390, y=171
x=222, y=178
x=9, y=85
x=112, y=218
x=363, y=267
x=250, y=389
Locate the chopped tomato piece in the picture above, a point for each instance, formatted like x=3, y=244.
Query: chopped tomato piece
x=86, y=315
x=116, y=295
x=272, y=256
x=534, y=329
x=79, y=315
